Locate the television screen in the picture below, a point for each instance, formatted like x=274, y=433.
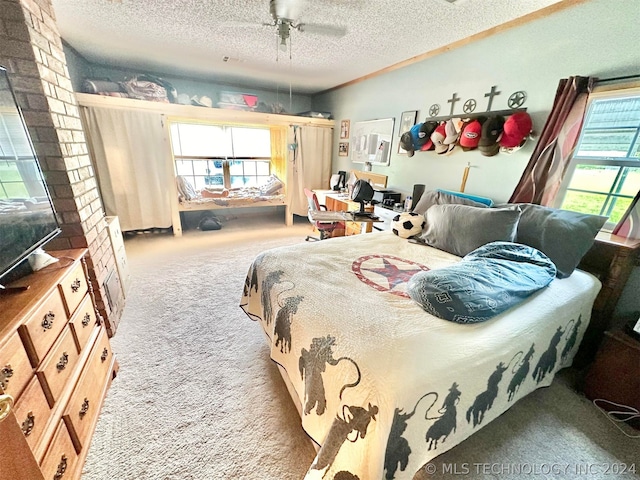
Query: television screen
x=27, y=217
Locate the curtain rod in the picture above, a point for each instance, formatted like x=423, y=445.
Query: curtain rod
x=615, y=79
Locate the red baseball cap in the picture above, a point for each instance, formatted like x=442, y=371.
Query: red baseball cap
x=437, y=137
x=516, y=128
x=470, y=135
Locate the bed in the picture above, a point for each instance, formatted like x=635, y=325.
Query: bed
x=383, y=386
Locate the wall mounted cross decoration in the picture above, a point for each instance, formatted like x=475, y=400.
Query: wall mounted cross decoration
x=491, y=94
x=454, y=98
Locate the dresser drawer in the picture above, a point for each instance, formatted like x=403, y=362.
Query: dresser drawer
x=56, y=369
x=60, y=461
x=73, y=288
x=33, y=413
x=15, y=369
x=83, y=322
x=40, y=331
x=84, y=404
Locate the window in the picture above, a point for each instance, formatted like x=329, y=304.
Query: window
x=221, y=155
x=19, y=175
x=604, y=173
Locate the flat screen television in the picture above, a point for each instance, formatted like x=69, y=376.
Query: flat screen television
x=27, y=217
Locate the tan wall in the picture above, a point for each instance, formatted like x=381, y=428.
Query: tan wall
x=31, y=51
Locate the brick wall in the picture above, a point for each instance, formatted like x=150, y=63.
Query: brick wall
x=31, y=51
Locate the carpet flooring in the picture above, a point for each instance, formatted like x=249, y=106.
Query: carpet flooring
x=197, y=396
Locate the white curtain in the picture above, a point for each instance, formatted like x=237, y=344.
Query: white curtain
x=309, y=163
x=132, y=160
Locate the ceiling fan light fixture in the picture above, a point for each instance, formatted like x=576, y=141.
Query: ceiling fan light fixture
x=283, y=44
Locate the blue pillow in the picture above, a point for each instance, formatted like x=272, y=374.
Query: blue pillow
x=484, y=200
x=488, y=281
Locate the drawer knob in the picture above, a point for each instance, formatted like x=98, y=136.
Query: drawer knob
x=5, y=374
x=64, y=360
x=6, y=404
x=86, y=319
x=28, y=424
x=85, y=408
x=75, y=286
x=47, y=321
x=105, y=354
x=62, y=467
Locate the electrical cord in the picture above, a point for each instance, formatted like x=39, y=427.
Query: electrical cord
x=629, y=414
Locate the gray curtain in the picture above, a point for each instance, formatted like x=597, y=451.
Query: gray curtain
x=309, y=163
x=131, y=156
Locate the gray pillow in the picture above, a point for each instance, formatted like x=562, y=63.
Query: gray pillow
x=564, y=236
x=434, y=197
x=460, y=229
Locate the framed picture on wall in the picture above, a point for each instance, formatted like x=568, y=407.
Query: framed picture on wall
x=407, y=121
x=344, y=129
x=343, y=149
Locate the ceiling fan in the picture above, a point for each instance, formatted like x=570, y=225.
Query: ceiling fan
x=285, y=14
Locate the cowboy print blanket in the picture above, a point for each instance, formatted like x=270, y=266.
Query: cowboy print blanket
x=385, y=386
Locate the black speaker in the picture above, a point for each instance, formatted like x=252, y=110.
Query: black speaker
x=418, y=190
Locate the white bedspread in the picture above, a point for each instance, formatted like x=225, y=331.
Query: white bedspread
x=385, y=386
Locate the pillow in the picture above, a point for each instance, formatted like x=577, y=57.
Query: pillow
x=476, y=198
x=273, y=185
x=435, y=197
x=185, y=189
x=564, y=236
x=487, y=282
x=460, y=229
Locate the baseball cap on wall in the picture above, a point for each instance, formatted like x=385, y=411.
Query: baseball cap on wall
x=491, y=132
x=437, y=137
x=417, y=138
x=470, y=135
x=516, y=129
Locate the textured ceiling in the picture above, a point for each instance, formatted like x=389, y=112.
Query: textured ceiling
x=191, y=37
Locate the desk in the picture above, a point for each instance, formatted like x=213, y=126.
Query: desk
x=330, y=216
x=339, y=202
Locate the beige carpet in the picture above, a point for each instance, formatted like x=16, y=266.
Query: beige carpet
x=198, y=398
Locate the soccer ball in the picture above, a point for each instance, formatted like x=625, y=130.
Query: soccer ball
x=407, y=224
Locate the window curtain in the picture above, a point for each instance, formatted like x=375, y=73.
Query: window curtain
x=279, y=152
x=309, y=162
x=543, y=174
x=133, y=165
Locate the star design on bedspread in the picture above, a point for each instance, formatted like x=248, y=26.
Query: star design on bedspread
x=394, y=275
x=395, y=271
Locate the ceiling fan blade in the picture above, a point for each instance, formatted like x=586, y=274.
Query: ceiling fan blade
x=236, y=24
x=322, y=29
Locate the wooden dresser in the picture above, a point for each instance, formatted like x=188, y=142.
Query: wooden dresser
x=56, y=365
